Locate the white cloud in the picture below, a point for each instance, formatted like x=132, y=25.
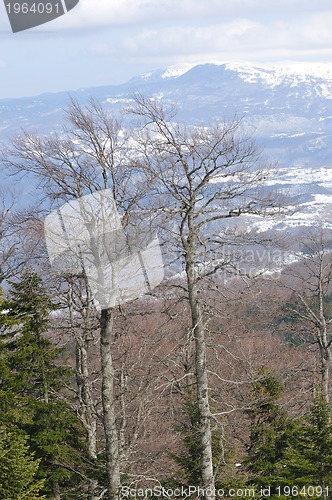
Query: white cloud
x=107, y=41
x=244, y=39
x=92, y=13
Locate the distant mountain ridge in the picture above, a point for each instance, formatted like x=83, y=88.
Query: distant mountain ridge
x=289, y=110
x=243, y=88
x=272, y=75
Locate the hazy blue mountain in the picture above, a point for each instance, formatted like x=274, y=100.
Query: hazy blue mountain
x=288, y=108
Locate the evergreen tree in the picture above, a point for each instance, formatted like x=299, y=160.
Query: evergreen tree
x=32, y=357
x=270, y=431
x=31, y=379
x=308, y=460
x=188, y=457
x=293, y=457
x=18, y=467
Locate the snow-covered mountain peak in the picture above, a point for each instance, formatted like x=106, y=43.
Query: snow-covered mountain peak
x=315, y=78
x=292, y=73
x=287, y=107
x=177, y=70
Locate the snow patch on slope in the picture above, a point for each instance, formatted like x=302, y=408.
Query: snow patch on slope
x=177, y=70
x=293, y=74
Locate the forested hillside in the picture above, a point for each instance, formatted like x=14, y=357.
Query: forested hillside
x=157, y=338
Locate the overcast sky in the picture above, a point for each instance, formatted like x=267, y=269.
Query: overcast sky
x=102, y=42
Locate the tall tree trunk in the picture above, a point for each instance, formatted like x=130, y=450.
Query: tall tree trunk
x=56, y=490
x=84, y=385
x=203, y=404
x=108, y=402
x=325, y=355
x=323, y=337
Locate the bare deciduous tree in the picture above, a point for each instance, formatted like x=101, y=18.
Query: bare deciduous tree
x=310, y=281
x=200, y=184
x=205, y=178
x=11, y=235
x=91, y=155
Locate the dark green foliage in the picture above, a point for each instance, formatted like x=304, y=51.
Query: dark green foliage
x=270, y=429
x=286, y=452
x=188, y=458
x=18, y=467
x=56, y=437
x=31, y=356
x=31, y=381
x=308, y=460
x=30, y=304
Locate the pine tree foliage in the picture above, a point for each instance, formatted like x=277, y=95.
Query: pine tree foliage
x=31, y=380
x=270, y=429
x=18, y=467
x=308, y=460
x=188, y=457
x=292, y=454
